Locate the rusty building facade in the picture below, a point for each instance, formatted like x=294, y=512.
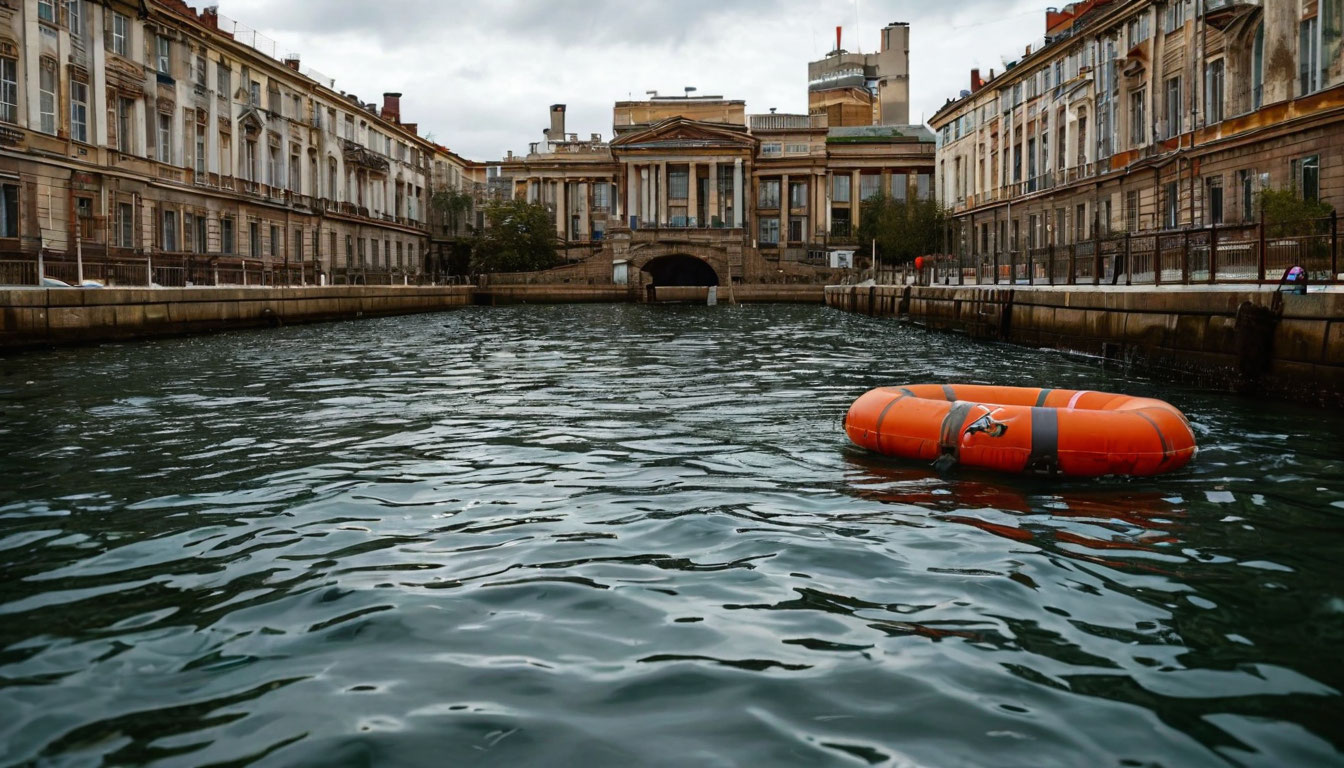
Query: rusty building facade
x=147, y=138
x=1138, y=116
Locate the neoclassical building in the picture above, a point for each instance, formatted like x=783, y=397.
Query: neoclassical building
x=146, y=138
x=693, y=191
x=1137, y=116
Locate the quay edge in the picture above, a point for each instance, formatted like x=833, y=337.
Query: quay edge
x=1250, y=340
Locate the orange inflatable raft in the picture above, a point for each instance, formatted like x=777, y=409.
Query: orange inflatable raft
x=1019, y=429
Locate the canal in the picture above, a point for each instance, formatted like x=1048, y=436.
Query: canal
x=636, y=535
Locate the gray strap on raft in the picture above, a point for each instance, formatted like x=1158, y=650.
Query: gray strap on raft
x=1044, y=456
x=949, y=441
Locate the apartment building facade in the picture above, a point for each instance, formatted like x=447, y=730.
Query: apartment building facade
x=1146, y=115
x=148, y=133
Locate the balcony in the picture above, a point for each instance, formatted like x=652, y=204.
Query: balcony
x=774, y=122
x=362, y=157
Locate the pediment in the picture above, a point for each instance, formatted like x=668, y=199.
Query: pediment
x=680, y=132
x=251, y=121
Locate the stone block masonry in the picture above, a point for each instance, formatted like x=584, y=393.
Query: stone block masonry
x=1256, y=342
x=31, y=317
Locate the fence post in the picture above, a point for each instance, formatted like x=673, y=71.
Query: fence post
x=1157, y=259
x=1096, y=259
x=1050, y=263
x=1185, y=257
x=996, y=263
x=1213, y=253
x=41, y=268
x=1031, y=269
x=1334, y=246
x=1261, y=276
x=149, y=270
x=1012, y=267
x=1129, y=261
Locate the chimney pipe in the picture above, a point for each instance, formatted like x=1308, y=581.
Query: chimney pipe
x=392, y=107
x=292, y=61
x=976, y=82
x=837, y=38
x=557, y=131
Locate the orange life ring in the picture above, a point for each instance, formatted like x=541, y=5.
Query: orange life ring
x=1022, y=429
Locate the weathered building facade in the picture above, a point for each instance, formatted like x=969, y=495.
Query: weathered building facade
x=1146, y=115
x=693, y=191
x=141, y=138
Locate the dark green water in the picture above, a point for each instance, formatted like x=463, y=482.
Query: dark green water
x=625, y=535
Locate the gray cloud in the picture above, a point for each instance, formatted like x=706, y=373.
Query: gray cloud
x=480, y=75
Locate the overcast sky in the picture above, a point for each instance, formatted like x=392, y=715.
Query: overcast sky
x=479, y=76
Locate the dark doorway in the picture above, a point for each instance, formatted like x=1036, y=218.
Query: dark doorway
x=681, y=270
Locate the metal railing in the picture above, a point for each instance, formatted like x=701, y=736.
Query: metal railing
x=1220, y=254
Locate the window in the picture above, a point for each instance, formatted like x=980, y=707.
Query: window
x=1246, y=180
x=249, y=168
x=199, y=245
x=9, y=91
x=1213, y=92
x=121, y=32
x=768, y=197
x=1132, y=210
x=169, y=241
x=125, y=109
x=273, y=166
x=46, y=10
x=840, y=188
x=900, y=183
x=349, y=252
x=331, y=178
x=189, y=232
x=164, y=55
x=1138, y=126
x=165, y=145
x=1175, y=16
x=295, y=176
x=1138, y=30
x=73, y=18
x=298, y=107
x=200, y=148
x=1308, y=57
x=79, y=111
x=9, y=210
x=797, y=194
x=769, y=230
x=199, y=70
x=226, y=244
x=677, y=184
x=47, y=96
x=771, y=149
x=797, y=229
x=1213, y=199
x=1307, y=177
x=1079, y=224
x=1332, y=19
x=924, y=186
x=601, y=196
x=1258, y=68
x=1173, y=107
x=125, y=225
x=870, y=185
x=796, y=149
x=387, y=253
x=1172, y=200
x=254, y=240
x=401, y=263
x=223, y=80
x=254, y=93
x=275, y=240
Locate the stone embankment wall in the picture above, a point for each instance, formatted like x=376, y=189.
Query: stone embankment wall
x=1256, y=342
x=31, y=317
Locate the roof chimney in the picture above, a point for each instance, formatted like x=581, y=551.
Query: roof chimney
x=557, y=131
x=292, y=61
x=976, y=82
x=392, y=107
x=837, y=39
x=210, y=16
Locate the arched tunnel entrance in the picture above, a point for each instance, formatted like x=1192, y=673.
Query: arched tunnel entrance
x=680, y=270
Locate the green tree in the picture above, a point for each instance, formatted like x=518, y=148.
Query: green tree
x=1287, y=215
x=903, y=229
x=519, y=237
x=450, y=205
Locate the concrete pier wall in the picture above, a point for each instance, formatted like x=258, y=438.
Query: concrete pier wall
x=1256, y=342
x=39, y=317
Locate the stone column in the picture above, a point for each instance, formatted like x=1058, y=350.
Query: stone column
x=854, y=200
x=785, y=209
x=712, y=208
x=692, y=196
x=662, y=194
x=739, y=217
x=828, y=200
x=632, y=191
x=561, y=216
x=645, y=193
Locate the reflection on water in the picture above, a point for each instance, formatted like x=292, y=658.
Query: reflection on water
x=619, y=535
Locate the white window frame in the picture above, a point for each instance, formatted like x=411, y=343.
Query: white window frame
x=47, y=96
x=163, y=55
x=79, y=111
x=9, y=90
x=120, y=33
x=163, y=148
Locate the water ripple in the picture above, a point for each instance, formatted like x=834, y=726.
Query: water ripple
x=626, y=535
